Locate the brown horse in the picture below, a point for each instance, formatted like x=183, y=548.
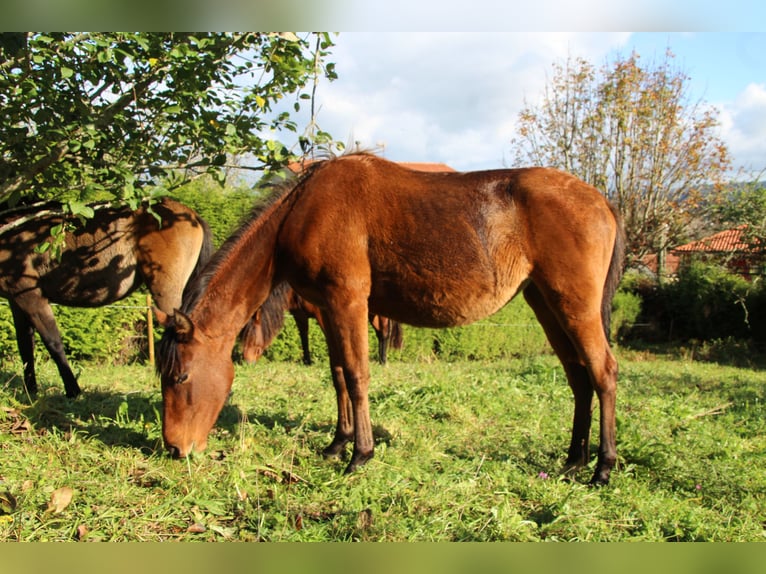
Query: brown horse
x=358, y=234
x=258, y=335
x=102, y=261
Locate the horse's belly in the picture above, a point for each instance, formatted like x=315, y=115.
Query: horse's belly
x=446, y=303
x=92, y=281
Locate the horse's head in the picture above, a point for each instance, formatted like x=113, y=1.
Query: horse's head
x=196, y=372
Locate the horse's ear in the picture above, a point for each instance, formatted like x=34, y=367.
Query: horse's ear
x=183, y=326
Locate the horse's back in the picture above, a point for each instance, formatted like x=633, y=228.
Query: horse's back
x=105, y=258
x=436, y=249
x=96, y=265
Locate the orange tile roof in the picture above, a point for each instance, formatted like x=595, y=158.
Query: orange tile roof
x=424, y=166
x=724, y=241
x=296, y=166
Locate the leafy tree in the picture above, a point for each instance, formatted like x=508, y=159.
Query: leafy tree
x=107, y=116
x=744, y=205
x=631, y=131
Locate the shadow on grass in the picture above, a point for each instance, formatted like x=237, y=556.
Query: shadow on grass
x=743, y=354
x=133, y=419
x=117, y=419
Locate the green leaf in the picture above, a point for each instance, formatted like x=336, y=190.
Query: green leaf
x=80, y=208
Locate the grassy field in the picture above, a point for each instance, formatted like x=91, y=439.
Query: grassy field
x=465, y=451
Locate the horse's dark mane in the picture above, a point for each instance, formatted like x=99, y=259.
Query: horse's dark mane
x=272, y=317
x=196, y=288
x=276, y=192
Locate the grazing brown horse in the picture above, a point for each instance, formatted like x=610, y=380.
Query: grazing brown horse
x=102, y=261
x=358, y=235
x=259, y=334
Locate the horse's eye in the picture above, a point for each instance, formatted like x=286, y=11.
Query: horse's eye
x=182, y=378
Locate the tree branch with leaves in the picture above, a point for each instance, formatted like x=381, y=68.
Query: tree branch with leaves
x=108, y=116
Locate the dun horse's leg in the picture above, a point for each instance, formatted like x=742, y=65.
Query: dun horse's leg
x=25, y=339
x=583, y=351
x=40, y=315
x=346, y=327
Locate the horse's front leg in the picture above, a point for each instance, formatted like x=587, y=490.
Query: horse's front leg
x=344, y=428
x=33, y=309
x=346, y=328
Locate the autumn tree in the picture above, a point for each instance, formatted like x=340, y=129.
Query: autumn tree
x=109, y=116
x=632, y=131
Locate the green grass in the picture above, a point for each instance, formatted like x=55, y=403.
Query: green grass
x=466, y=450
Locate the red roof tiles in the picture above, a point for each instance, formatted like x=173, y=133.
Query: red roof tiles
x=722, y=242
x=295, y=167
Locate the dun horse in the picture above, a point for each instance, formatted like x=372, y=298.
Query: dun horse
x=102, y=261
x=358, y=235
x=259, y=332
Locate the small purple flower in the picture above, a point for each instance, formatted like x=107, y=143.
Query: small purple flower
x=698, y=487
x=542, y=475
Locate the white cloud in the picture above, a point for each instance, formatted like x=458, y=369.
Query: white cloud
x=451, y=97
x=455, y=97
x=743, y=123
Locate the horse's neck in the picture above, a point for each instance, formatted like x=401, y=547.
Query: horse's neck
x=243, y=278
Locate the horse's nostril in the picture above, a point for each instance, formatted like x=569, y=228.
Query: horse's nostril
x=174, y=452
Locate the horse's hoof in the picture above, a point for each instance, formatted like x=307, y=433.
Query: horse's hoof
x=599, y=479
x=357, y=461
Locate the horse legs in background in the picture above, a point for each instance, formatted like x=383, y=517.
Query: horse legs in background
x=597, y=372
x=302, y=323
x=382, y=328
x=32, y=312
x=389, y=333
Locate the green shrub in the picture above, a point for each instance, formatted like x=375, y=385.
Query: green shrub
x=707, y=302
x=113, y=333
x=224, y=208
x=626, y=308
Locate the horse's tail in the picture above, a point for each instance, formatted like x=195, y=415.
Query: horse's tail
x=396, y=337
x=205, y=252
x=614, y=275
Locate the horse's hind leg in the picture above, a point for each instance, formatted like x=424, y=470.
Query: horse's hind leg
x=589, y=365
x=33, y=311
x=382, y=328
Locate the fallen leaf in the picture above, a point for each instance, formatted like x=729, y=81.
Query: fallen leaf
x=217, y=455
x=60, y=499
x=20, y=426
x=82, y=531
x=197, y=528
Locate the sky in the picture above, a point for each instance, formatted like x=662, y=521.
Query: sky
x=454, y=97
